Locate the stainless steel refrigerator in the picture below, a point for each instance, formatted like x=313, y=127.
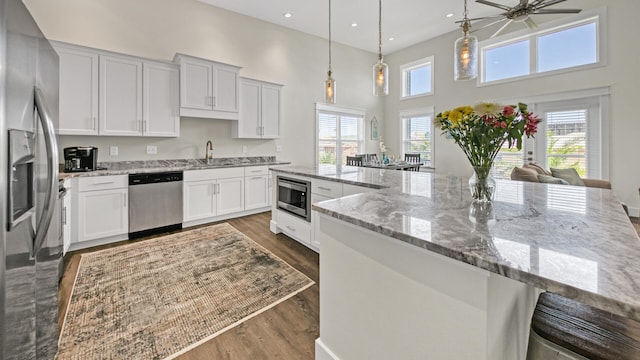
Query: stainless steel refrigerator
x=30, y=248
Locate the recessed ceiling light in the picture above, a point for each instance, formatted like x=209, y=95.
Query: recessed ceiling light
x=287, y=15
x=354, y=24
x=391, y=38
x=450, y=15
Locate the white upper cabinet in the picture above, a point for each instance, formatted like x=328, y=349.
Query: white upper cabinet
x=120, y=96
x=208, y=89
x=105, y=93
x=78, y=91
x=259, y=110
x=160, y=100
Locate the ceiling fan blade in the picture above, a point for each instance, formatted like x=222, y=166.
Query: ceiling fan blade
x=530, y=23
x=499, y=6
x=551, y=2
x=481, y=18
x=490, y=24
x=501, y=28
x=523, y=3
x=536, y=2
x=557, y=11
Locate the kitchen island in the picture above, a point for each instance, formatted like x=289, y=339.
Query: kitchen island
x=415, y=271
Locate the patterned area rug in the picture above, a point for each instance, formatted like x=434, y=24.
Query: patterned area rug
x=159, y=298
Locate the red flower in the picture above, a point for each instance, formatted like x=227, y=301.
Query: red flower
x=508, y=111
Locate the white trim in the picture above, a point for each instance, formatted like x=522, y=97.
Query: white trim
x=558, y=96
x=597, y=16
x=428, y=61
x=340, y=109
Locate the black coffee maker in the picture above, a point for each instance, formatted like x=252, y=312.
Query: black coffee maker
x=80, y=158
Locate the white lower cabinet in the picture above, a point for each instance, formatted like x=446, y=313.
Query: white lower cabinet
x=199, y=200
x=230, y=195
x=212, y=192
x=257, y=187
x=103, y=209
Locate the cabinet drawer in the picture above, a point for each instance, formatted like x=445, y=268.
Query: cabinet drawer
x=331, y=189
x=295, y=228
x=211, y=174
x=93, y=183
x=256, y=170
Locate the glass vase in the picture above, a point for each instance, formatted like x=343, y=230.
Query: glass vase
x=482, y=184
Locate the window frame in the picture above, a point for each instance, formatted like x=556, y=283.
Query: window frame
x=339, y=111
x=406, y=68
x=426, y=111
x=597, y=16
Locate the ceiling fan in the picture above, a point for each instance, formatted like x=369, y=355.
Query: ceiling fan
x=522, y=12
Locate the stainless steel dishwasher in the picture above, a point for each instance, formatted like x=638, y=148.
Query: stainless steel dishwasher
x=155, y=203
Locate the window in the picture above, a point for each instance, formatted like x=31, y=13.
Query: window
x=417, y=130
x=417, y=78
x=573, y=133
x=555, y=48
x=340, y=134
x=570, y=135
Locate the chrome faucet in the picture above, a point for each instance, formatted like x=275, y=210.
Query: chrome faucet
x=209, y=150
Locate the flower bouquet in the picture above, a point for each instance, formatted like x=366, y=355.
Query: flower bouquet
x=481, y=131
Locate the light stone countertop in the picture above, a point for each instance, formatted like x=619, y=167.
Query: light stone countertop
x=570, y=240
x=152, y=166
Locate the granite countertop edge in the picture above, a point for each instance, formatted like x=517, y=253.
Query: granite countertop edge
x=138, y=168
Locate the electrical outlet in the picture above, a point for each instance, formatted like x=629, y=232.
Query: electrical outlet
x=113, y=151
x=244, y=149
x=278, y=148
x=152, y=149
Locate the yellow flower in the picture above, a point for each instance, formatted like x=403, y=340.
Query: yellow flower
x=485, y=108
x=455, y=116
x=445, y=114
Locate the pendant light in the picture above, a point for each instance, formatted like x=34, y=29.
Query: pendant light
x=380, y=70
x=466, y=52
x=330, y=83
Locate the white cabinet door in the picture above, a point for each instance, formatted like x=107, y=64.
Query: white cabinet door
x=102, y=214
x=256, y=192
x=199, y=200
x=196, y=84
x=315, y=232
x=120, y=96
x=270, y=111
x=230, y=195
x=225, y=93
x=160, y=100
x=78, y=92
x=249, y=116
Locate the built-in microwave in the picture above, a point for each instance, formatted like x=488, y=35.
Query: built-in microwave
x=294, y=197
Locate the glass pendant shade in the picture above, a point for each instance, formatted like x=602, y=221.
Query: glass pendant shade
x=380, y=79
x=466, y=58
x=330, y=90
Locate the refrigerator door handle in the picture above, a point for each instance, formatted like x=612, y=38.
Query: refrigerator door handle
x=52, y=171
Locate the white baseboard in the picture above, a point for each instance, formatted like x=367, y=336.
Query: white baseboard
x=191, y=223
x=323, y=352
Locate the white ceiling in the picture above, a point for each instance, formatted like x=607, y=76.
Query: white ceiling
x=407, y=21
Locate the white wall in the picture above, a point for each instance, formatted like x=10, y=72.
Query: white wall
x=621, y=75
x=160, y=28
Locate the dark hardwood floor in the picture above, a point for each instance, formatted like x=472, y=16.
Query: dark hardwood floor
x=286, y=331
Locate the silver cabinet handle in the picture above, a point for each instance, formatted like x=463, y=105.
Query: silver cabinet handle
x=124, y=198
x=324, y=188
x=214, y=101
x=290, y=228
x=64, y=215
x=95, y=127
x=257, y=130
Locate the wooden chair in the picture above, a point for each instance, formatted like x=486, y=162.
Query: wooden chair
x=354, y=160
x=413, y=159
x=368, y=157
